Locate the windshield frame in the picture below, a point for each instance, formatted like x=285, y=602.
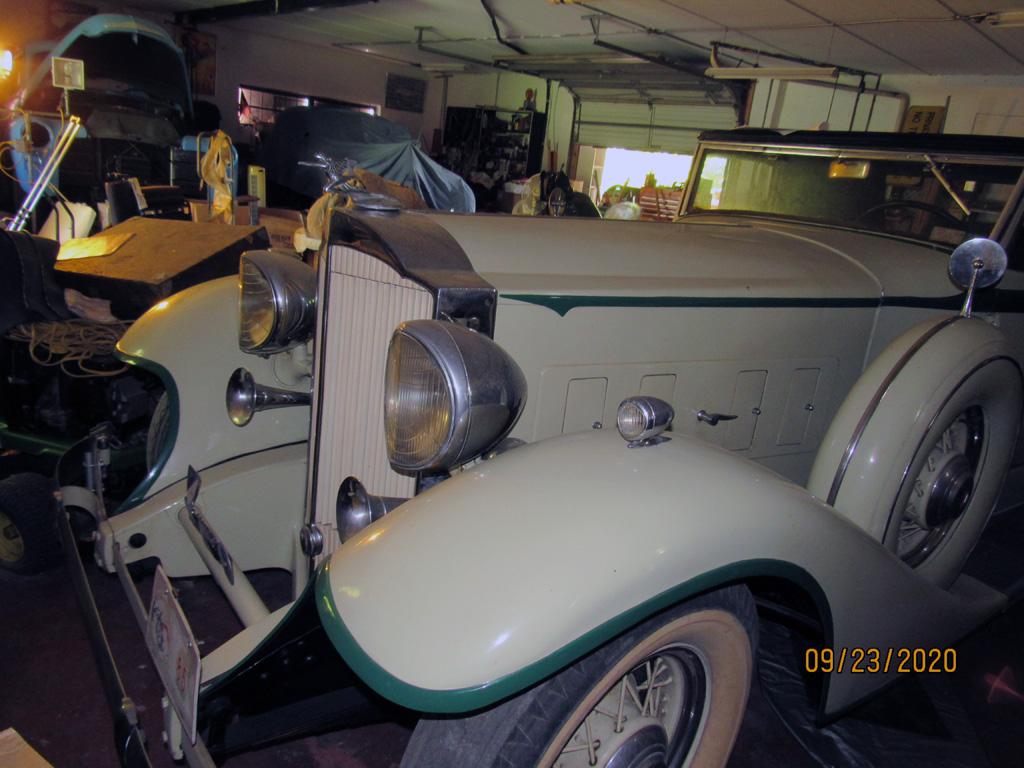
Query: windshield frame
x=1004, y=226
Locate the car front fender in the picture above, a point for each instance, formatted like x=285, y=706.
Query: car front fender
x=516, y=567
x=190, y=342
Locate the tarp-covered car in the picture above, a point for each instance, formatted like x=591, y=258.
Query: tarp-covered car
x=528, y=493
x=374, y=144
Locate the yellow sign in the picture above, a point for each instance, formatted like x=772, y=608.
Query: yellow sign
x=97, y=245
x=923, y=120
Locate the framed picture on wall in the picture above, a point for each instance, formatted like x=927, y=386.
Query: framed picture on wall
x=405, y=93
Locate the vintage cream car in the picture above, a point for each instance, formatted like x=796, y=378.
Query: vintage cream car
x=530, y=474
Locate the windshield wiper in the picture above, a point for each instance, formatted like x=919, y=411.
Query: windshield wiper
x=946, y=185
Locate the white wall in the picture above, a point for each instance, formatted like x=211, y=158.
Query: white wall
x=507, y=90
x=983, y=105
x=265, y=61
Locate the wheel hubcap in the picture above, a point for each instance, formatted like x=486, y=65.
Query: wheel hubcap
x=645, y=747
x=943, y=488
x=949, y=493
x=648, y=719
x=12, y=546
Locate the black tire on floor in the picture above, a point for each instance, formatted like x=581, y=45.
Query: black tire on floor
x=28, y=524
x=713, y=640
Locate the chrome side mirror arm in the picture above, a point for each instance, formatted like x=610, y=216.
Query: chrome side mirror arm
x=976, y=264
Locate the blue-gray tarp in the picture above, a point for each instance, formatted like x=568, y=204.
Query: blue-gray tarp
x=376, y=144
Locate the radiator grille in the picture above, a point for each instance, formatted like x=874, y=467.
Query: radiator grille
x=367, y=300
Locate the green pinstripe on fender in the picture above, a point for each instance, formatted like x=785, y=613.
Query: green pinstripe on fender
x=173, y=408
x=478, y=697
x=998, y=300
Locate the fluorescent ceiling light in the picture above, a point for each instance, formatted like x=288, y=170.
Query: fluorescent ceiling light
x=444, y=66
x=773, y=73
x=6, y=64
x=1007, y=19
x=555, y=59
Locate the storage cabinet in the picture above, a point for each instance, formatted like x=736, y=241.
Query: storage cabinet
x=504, y=144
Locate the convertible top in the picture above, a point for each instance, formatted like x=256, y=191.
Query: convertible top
x=948, y=143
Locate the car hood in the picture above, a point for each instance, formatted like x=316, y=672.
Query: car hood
x=702, y=258
x=96, y=27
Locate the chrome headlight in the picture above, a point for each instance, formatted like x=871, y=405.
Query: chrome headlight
x=641, y=419
x=450, y=394
x=277, y=301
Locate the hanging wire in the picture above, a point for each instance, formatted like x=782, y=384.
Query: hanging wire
x=828, y=57
x=71, y=344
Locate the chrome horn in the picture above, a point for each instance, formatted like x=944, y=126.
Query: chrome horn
x=356, y=508
x=244, y=397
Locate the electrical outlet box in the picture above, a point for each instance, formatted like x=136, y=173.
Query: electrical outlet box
x=68, y=74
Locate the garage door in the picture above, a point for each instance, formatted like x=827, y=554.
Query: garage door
x=664, y=127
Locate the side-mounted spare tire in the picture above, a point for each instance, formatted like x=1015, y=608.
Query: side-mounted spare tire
x=28, y=524
x=918, y=452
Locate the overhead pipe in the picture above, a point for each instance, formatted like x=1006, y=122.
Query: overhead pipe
x=716, y=44
x=649, y=30
x=737, y=89
x=497, y=31
x=257, y=8
x=501, y=66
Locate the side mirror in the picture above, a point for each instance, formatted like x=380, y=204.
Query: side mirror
x=976, y=264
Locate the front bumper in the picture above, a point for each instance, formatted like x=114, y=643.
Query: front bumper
x=129, y=737
x=290, y=684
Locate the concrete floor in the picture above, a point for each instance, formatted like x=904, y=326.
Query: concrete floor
x=51, y=692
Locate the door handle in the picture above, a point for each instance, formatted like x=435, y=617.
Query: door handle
x=712, y=419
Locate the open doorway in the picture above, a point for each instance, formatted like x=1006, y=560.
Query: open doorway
x=653, y=180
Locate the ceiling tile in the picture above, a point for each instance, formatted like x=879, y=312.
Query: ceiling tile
x=826, y=46
x=943, y=48
x=843, y=11
x=734, y=13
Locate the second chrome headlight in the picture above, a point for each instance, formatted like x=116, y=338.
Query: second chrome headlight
x=450, y=395
x=277, y=301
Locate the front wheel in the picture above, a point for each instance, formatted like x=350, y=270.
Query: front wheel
x=670, y=691
x=28, y=524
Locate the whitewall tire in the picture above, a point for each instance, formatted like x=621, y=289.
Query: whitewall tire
x=669, y=692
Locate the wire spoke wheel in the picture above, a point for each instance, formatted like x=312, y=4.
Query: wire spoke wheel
x=649, y=717
x=943, y=488
x=669, y=692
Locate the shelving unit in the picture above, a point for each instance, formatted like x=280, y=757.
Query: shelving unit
x=509, y=143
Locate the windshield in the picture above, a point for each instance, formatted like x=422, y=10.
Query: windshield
x=913, y=198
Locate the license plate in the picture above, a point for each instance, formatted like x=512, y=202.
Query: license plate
x=174, y=650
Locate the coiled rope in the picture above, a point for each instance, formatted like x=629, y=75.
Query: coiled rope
x=71, y=344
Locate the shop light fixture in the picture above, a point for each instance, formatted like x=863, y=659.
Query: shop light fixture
x=6, y=64
x=443, y=66
x=772, y=73
x=1005, y=19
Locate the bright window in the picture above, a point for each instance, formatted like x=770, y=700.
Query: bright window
x=260, y=106
x=630, y=167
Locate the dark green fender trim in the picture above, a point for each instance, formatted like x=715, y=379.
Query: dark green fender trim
x=174, y=409
x=474, y=698
x=990, y=301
